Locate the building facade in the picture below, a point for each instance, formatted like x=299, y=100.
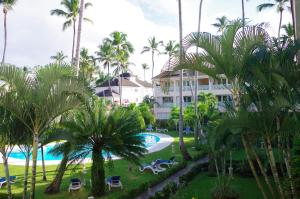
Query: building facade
x=133, y=89
x=166, y=91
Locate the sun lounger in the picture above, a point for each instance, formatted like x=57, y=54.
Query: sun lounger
x=151, y=167
x=12, y=179
x=149, y=128
x=158, y=130
x=2, y=181
x=187, y=130
x=75, y=184
x=168, y=163
x=114, y=181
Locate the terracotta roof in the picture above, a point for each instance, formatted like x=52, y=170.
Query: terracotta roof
x=167, y=74
x=144, y=83
x=117, y=82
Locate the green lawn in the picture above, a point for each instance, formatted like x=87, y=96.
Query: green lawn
x=130, y=180
x=200, y=188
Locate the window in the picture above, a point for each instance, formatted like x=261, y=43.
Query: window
x=187, y=99
x=167, y=100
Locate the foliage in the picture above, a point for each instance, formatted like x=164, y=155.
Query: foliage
x=223, y=190
x=296, y=163
x=146, y=113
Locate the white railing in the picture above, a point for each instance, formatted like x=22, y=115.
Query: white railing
x=166, y=105
x=203, y=87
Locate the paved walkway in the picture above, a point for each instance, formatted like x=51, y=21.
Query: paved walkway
x=173, y=178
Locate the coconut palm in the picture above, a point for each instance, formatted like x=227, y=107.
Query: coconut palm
x=105, y=55
x=289, y=31
x=171, y=49
x=7, y=5
x=87, y=65
x=152, y=47
x=145, y=67
x=221, y=23
x=71, y=15
x=182, y=147
x=59, y=58
x=111, y=131
x=121, y=51
x=280, y=5
x=50, y=93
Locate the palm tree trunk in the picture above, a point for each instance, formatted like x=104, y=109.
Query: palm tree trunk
x=245, y=144
x=54, y=187
x=262, y=170
x=152, y=64
x=273, y=166
x=120, y=86
x=280, y=22
x=77, y=54
x=34, y=160
x=196, y=81
x=108, y=72
x=182, y=147
x=26, y=175
x=5, y=35
x=243, y=15
x=43, y=164
x=6, y=171
x=144, y=74
x=288, y=169
x=293, y=17
x=97, y=172
x=73, y=44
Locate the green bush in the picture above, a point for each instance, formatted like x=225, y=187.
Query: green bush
x=169, y=190
x=296, y=163
x=223, y=189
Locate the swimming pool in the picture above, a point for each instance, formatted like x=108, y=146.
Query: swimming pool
x=149, y=141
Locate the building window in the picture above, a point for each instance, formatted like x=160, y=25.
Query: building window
x=167, y=100
x=187, y=99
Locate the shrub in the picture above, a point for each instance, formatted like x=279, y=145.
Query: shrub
x=169, y=190
x=223, y=189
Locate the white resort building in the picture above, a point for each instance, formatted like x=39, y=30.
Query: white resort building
x=132, y=89
x=166, y=90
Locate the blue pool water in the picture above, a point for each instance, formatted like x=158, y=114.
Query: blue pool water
x=149, y=140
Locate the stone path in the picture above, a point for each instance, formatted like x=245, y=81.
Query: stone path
x=173, y=178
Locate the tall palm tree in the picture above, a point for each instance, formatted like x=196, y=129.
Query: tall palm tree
x=87, y=65
x=182, y=147
x=71, y=15
x=281, y=6
x=7, y=5
x=145, y=67
x=171, y=49
x=59, y=58
x=51, y=92
x=122, y=49
x=289, y=31
x=101, y=130
x=105, y=54
x=152, y=47
x=221, y=23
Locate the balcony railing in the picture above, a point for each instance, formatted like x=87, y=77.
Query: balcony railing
x=166, y=105
x=203, y=87
x=218, y=87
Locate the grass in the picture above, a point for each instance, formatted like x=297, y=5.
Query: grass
x=130, y=180
x=200, y=188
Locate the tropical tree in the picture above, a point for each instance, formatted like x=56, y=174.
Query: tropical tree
x=7, y=5
x=121, y=50
x=280, y=5
x=100, y=130
x=221, y=23
x=152, y=47
x=182, y=147
x=106, y=56
x=71, y=14
x=171, y=49
x=50, y=93
x=87, y=65
x=146, y=113
x=289, y=31
x=59, y=58
x=145, y=67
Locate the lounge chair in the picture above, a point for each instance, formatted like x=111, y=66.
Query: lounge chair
x=75, y=184
x=187, y=130
x=12, y=179
x=149, y=128
x=158, y=130
x=168, y=163
x=114, y=181
x=2, y=181
x=152, y=167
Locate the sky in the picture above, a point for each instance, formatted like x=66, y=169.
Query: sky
x=34, y=35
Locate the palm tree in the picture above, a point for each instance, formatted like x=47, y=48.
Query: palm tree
x=121, y=50
x=87, y=65
x=50, y=93
x=289, y=31
x=145, y=67
x=153, y=47
x=171, y=49
x=281, y=5
x=59, y=58
x=71, y=15
x=100, y=130
x=7, y=5
x=107, y=57
x=221, y=24
x=182, y=147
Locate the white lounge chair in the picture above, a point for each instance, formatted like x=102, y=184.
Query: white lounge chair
x=169, y=163
x=12, y=179
x=158, y=130
x=2, y=181
x=114, y=181
x=152, y=167
x=75, y=184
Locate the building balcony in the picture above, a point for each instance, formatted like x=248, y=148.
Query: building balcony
x=165, y=105
x=203, y=87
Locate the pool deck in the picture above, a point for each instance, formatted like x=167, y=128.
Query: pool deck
x=165, y=141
